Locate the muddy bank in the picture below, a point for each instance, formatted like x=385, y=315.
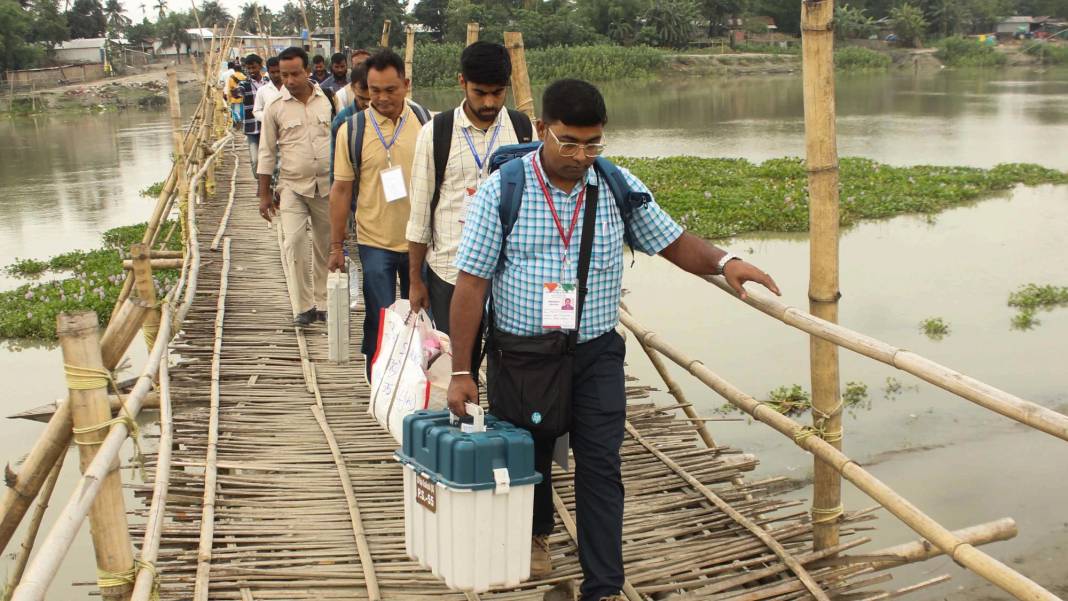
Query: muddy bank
x=145, y=90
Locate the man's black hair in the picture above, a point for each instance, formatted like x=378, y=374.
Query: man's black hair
x=338, y=57
x=358, y=76
x=294, y=52
x=486, y=63
x=384, y=59
x=272, y=62
x=359, y=51
x=253, y=59
x=318, y=59
x=573, y=102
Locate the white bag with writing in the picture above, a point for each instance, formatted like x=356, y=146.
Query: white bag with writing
x=411, y=367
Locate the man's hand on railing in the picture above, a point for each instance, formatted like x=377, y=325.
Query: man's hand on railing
x=738, y=272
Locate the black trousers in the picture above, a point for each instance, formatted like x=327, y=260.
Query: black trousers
x=440, y=293
x=598, y=415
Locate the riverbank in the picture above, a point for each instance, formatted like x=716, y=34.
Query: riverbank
x=144, y=90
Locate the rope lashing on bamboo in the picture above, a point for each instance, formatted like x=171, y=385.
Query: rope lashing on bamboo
x=151, y=330
x=827, y=516
x=105, y=579
x=87, y=378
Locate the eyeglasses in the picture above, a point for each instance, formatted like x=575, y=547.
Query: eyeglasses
x=570, y=149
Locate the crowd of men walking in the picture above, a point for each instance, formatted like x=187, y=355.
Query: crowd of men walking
x=341, y=152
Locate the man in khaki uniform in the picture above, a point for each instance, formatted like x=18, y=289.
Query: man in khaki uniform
x=391, y=128
x=296, y=128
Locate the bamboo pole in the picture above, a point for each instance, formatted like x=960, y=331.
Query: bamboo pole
x=146, y=290
x=34, y=526
x=384, y=42
x=822, y=160
x=337, y=27
x=44, y=412
x=130, y=264
x=960, y=551
x=207, y=519
x=524, y=101
x=472, y=32
x=42, y=568
x=768, y=540
x=921, y=550
x=304, y=16
x=994, y=399
x=146, y=582
x=409, y=55
x=80, y=343
x=122, y=330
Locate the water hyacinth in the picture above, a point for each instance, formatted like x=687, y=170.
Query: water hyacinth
x=30, y=310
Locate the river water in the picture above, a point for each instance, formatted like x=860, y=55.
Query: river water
x=67, y=179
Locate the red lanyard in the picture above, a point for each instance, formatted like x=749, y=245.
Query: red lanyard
x=565, y=237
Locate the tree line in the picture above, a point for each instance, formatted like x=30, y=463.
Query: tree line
x=30, y=29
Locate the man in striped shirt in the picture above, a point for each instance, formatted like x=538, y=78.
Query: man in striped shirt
x=467, y=136
x=246, y=91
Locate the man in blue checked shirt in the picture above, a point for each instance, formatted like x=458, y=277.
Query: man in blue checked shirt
x=526, y=271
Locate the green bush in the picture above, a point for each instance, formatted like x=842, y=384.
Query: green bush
x=437, y=65
x=860, y=59
x=1048, y=53
x=962, y=52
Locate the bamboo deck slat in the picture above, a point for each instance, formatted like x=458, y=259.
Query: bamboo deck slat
x=283, y=525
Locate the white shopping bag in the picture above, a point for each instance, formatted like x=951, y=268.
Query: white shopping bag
x=408, y=360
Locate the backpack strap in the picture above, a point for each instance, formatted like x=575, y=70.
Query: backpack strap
x=443, y=126
x=357, y=123
x=420, y=111
x=524, y=129
x=589, y=223
x=333, y=101
x=627, y=199
x=513, y=175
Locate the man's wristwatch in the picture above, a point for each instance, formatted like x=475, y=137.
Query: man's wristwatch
x=727, y=258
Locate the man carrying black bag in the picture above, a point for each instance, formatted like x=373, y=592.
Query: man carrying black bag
x=548, y=232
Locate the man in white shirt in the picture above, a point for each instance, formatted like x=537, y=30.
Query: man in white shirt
x=465, y=137
x=269, y=92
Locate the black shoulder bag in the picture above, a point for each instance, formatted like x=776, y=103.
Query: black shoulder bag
x=530, y=377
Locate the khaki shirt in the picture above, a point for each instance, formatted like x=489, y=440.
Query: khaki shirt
x=300, y=133
x=379, y=223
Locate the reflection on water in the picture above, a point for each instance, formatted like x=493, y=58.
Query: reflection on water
x=66, y=180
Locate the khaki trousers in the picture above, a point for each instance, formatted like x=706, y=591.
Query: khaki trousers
x=306, y=258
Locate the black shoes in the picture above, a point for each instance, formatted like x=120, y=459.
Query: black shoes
x=306, y=318
x=320, y=315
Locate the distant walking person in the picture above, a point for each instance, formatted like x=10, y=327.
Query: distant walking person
x=296, y=132
x=319, y=72
x=339, y=73
x=247, y=90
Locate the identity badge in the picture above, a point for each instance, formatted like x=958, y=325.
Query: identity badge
x=393, y=185
x=559, y=303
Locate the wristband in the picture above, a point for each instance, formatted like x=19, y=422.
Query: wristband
x=461, y=373
x=727, y=258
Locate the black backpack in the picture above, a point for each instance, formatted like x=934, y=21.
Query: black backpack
x=443, y=125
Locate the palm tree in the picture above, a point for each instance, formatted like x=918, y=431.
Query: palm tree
x=291, y=20
x=161, y=7
x=117, y=20
x=171, y=32
x=212, y=14
x=249, y=17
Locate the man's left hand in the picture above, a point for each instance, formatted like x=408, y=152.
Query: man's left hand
x=738, y=272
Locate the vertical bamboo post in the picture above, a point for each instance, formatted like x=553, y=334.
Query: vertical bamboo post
x=80, y=343
x=409, y=54
x=822, y=162
x=384, y=42
x=146, y=291
x=176, y=131
x=524, y=101
x=337, y=27
x=472, y=32
x=304, y=16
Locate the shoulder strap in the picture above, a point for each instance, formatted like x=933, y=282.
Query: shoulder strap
x=513, y=175
x=626, y=198
x=524, y=129
x=420, y=111
x=333, y=101
x=357, y=123
x=589, y=222
x=443, y=125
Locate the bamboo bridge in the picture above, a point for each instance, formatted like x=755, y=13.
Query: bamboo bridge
x=270, y=480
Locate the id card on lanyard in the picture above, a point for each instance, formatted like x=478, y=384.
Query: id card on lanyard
x=559, y=300
x=480, y=163
x=394, y=187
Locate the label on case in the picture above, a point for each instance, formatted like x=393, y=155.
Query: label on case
x=425, y=493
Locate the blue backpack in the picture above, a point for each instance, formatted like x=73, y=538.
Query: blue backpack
x=513, y=177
